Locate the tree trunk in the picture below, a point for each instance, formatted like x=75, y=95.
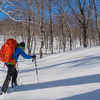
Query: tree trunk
x=85, y=37
x=34, y=45
x=29, y=37
x=41, y=29
x=51, y=30
x=97, y=21
x=70, y=36
x=22, y=31
x=59, y=44
x=63, y=34
x=41, y=48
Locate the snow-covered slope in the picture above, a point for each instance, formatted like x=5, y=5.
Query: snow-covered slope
x=73, y=75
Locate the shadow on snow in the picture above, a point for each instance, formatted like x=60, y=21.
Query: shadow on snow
x=88, y=60
x=94, y=95
x=65, y=82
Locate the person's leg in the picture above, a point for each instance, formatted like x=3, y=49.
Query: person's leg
x=8, y=78
x=14, y=77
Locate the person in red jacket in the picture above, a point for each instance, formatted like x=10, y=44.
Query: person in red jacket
x=12, y=72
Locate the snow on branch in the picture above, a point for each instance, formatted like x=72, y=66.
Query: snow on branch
x=23, y=21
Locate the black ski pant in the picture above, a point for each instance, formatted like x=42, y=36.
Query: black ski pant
x=12, y=73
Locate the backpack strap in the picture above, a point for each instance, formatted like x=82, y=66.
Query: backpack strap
x=16, y=56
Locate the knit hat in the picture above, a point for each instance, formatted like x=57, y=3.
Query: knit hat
x=22, y=44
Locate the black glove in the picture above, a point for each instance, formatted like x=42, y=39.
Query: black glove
x=34, y=56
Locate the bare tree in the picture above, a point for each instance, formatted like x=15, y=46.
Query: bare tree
x=82, y=12
x=70, y=34
x=60, y=6
x=5, y=5
x=49, y=4
x=41, y=28
x=97, y=21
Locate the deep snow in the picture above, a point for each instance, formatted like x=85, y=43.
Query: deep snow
x=70, y=75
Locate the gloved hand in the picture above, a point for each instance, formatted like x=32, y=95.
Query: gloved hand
x=34, y=56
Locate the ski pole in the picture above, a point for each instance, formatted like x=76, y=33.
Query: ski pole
x=36, y=70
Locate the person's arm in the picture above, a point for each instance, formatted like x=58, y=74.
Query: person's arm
x=24, y=55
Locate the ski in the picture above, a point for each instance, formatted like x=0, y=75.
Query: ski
x=11, y=89
x=3, y=96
